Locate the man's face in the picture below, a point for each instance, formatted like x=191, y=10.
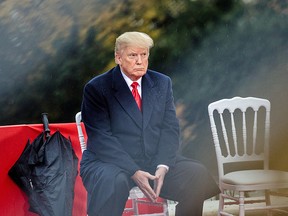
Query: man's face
x=133, y=61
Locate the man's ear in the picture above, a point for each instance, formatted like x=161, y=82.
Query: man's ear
x=117, y=58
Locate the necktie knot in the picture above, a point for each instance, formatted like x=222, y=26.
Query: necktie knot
x=135, y=94
x=134, y=85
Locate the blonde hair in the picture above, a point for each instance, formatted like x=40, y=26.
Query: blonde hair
x=134, y=38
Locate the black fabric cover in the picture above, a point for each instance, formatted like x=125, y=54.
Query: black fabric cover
x=46, y=171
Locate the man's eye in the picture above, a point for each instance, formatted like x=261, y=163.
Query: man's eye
x=135, y=55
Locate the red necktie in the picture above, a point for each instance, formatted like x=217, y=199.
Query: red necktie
x=135, y=94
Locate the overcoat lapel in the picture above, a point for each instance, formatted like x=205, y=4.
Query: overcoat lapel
x=125, y=98
x=148, y=98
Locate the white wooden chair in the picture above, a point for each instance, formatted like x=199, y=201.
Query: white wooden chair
x=136, y=195
x=240, y=129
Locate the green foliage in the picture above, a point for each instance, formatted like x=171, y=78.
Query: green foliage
x=185, y=30
x=252, y=44
x=208, y=48
x=54, y=84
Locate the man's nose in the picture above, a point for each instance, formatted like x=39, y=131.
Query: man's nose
x=139, y=59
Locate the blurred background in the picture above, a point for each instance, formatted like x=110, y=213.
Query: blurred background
x=212, y=49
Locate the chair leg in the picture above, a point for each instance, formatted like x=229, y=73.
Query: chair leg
x=135, y=207
x=221, y=204
x=165, y=208
x=268, y=202
x=241, y=204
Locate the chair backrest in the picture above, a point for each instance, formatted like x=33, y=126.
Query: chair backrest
x=240, y=129
x=78, y=119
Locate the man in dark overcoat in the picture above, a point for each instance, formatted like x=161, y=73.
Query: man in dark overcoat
x=133, y=137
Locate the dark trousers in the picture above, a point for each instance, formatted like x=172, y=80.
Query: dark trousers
x=188, y=182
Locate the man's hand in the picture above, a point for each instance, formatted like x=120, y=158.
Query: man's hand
x=158, y=181
x=142, y=178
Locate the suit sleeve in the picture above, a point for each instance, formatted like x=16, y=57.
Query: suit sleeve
x=169, y=139
x=95, y=115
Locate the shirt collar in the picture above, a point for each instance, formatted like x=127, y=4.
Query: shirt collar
x=129, y=81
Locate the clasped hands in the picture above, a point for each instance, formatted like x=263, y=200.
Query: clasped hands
x=141, y=178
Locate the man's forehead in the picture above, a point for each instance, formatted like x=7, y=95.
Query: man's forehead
x=136, y=49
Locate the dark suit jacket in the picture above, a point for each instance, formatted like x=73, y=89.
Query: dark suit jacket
x=119, y=133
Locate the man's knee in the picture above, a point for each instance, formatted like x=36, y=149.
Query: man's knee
x=122, y=180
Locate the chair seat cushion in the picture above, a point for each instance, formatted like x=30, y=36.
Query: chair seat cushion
x=251, y=177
